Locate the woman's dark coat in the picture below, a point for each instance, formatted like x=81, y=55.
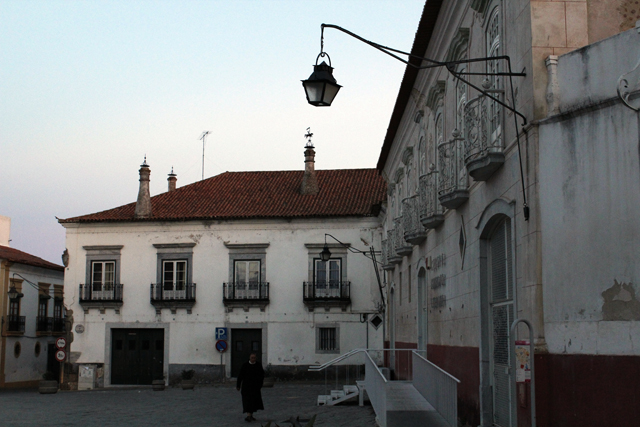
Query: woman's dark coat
x=250, y=381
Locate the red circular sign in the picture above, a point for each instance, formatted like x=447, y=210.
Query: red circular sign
x=61, y=355
x=61, y=343
x=221, y=346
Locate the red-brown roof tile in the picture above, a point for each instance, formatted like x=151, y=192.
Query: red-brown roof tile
x=246, y=195
x=17, y=256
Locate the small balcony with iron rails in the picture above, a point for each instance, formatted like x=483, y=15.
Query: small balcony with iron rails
x=14, y=325
x=431, y=211
x=245, y=295
x=44, y=325
x=326, y=294
x=453, y=187
x=173, y=296
x=414, y=232
x=59, y=326
x=402, y=247
x=483, y=141
x=101, y=296
x=393, y=257
x=386, y=265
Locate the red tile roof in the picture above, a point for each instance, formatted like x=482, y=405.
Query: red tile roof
x=246, y=195
x=14, y=255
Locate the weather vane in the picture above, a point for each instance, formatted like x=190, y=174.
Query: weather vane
x=308, y=136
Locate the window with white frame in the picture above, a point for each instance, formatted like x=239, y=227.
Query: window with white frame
x=247, y=271
x=327, y=338
x=327, y=276
x=102, y=271
x=103, y=275
x=174, y=271
x=174, y=275
x=247, y=278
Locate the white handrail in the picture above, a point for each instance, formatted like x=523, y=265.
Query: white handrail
x=340, y=358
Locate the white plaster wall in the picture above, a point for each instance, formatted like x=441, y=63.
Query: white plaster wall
x=590, y=169
x=291, y=332
x=28, y=366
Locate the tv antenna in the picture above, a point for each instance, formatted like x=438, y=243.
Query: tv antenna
x=203, y=137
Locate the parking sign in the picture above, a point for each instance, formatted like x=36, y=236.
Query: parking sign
x=221, y=334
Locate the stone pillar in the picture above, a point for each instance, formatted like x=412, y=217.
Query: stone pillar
x=309, y=180
x=143, y=205
x=553, y=87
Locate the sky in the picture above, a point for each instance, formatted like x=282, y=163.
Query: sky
x=89, y=88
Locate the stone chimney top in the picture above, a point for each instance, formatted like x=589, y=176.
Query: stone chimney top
x=172, y=180
x=143, y=205
x=5, y=230
x=309, y=179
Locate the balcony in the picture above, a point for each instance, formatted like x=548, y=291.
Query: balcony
x=431, y=211
x=326, y=294
x=44, y=325
x=392, y=256
x=483, y=147
x=414, y=232
x=59, y=326
x=165, y=295
x=453, y=189
x=386, y=265
x=14, y=325
x=402, y=247
x=245, y=295
x=101, y=296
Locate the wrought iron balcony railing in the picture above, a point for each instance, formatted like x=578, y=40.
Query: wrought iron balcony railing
x=414, y=232
x=483, y=141
x=326, y=290
x=15, y=323
x=243, y=291
x=100, y=293
x=164, y=292
x=431, y=211
x=392, y=256
x=453, y=188
x=402, y=247
x=44, y=324
x=59, y=325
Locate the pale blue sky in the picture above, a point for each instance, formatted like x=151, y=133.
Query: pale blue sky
x=87, y=88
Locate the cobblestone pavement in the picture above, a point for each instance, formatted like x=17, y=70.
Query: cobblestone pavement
x=218, y=406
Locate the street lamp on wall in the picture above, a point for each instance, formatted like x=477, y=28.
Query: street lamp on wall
x=321, y=87
x=13, y=293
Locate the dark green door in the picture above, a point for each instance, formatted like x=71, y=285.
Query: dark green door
x=243, y=343
x=137, y=355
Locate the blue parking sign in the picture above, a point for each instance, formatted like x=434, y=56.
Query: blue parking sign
x=221, y=334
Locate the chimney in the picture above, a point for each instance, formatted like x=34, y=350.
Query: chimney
x=143, y=205
x=172, y=180
x=309, y=180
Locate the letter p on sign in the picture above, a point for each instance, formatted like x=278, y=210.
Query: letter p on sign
x=221, y=334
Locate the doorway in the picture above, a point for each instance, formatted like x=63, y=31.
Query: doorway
x=137, y=356
x=422, y=310
x=243, y=343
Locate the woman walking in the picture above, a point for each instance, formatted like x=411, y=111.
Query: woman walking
x=249, y=384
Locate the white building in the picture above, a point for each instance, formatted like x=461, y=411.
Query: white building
x=150, y=281
x=32, y=314
x=466, y=254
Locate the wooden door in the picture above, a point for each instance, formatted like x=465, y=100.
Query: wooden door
x=243, y=343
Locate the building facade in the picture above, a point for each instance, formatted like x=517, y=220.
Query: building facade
x=479, y=230
x=151, y=281
x=31, y=297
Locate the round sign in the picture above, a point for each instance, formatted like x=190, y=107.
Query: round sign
x=221, y=346
x=79, y=329
x=61, y=343
x=60, y=355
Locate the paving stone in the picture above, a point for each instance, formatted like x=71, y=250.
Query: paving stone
x=217, y=406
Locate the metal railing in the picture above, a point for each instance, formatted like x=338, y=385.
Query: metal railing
x=478, y=138
x=15, y=323
x=414, y=232
x=111, y=292
x=376, y=386
x=163, y=292
x=431, y=211
x=58, y=324
x=438, y=387
x=451, y=164
x=328, y=290
x=44, y=324
x=234, y=291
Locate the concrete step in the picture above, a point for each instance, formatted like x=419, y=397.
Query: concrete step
x=324, y=399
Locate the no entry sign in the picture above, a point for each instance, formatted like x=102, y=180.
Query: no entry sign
x=221, y=346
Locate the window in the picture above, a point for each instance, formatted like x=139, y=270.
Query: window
x=42, y=307
x=327, y=277
x=174, y=279
x=246, y=278
x=174, y=273
x=102, y=275
x=494, y=49
x=327, y=338
x=102, y=272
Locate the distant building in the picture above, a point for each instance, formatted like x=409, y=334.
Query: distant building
x=462, y=259
x=149, y=282
x=33, y=318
